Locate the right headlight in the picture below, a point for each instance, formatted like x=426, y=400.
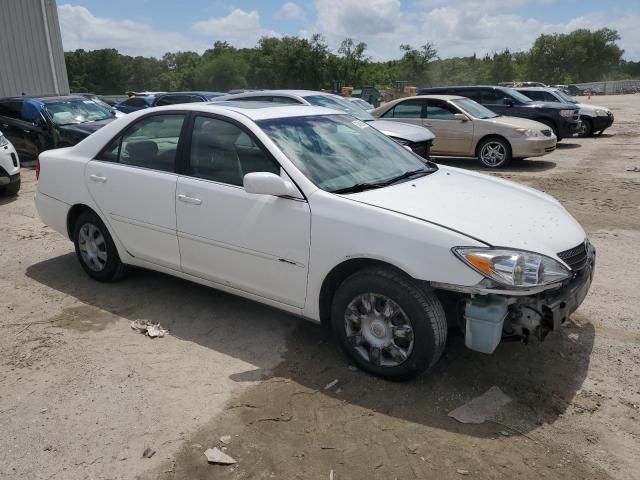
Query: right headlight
x=513, y=268
x=3, y=140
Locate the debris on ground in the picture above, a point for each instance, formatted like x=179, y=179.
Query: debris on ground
x=481, y=408
x=463, y=472
x=633, y=169
x=573, y=337
x=215, y=455
x=226, y=439
x=331, y=475
x=331, y=384
x=150, y=329
x=148, y=453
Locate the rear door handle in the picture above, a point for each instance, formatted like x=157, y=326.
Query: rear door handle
x=187, y=199
x=98, y=178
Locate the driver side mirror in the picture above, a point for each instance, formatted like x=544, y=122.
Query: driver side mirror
x=461, y=116
x=267, y=183
x=508, y=101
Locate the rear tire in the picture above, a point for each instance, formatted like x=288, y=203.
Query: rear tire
x=388, y=325
x=95, y=249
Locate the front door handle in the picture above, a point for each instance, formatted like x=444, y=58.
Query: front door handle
x=187, y=199
x=427, y=125
x=98, y=178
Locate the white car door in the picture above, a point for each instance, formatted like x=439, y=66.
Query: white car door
x=133, y=182
x=255, y=243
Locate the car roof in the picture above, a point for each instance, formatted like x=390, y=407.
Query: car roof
x=498, y=87
x=536, y=89
x=284, y=93
x=256, y=110
x=201, y=92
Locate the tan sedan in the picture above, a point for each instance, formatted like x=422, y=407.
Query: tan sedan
x=464, y=128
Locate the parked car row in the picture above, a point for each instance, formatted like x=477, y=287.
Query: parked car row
x=313, y=211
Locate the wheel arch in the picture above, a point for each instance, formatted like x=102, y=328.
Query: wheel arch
x=339, y=274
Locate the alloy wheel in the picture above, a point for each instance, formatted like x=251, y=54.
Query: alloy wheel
x=493, y=154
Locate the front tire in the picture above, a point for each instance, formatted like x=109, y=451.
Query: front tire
x=494, y=152
x=11, y=189
x=586, y=128
x=388, y=325
x=96, y=250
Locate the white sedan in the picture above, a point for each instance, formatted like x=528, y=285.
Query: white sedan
x=314, y=212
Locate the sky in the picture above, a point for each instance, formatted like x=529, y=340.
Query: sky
x=456, y=27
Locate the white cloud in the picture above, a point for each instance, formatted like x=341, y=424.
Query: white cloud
x=239, y=28
x=81, y=29
x=459, y=28
x=290, y=11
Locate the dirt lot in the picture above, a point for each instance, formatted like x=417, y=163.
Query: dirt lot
x=82, y=395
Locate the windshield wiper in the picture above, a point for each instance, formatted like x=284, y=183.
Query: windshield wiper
x=358, y=187
x=361, y=187
x=411, y=173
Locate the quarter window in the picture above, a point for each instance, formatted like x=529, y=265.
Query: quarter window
x=150, y=143
x=222, y=152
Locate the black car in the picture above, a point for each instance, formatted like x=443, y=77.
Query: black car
x=562, y=118
x=37, y=124
x=173, y=98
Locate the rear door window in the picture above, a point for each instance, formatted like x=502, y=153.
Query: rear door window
x=149, y=143
x=406, y=109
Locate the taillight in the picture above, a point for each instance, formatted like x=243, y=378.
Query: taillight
x=37, y=168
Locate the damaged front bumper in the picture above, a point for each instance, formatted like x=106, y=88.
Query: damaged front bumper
x=492, y=316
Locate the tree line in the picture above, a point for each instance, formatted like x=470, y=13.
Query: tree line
x=294, y=62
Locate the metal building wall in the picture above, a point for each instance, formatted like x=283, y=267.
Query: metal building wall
x=31, y=54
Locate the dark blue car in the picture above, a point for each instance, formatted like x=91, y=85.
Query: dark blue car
x=133, y=104
x=173, y=98
x=35, y=124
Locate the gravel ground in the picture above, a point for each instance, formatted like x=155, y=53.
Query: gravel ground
x=82, y=395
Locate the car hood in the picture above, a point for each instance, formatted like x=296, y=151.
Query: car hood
x=588, y=107
x=86, y=128
x=495, y=211
x=407, y=131
x=516, y=122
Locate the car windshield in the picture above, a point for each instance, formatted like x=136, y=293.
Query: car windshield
x=565, y=97
x=474, y=109
x=339, y=153
x=363, y=104
x=76, y=111
x=337, y=103
x=519, y=96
